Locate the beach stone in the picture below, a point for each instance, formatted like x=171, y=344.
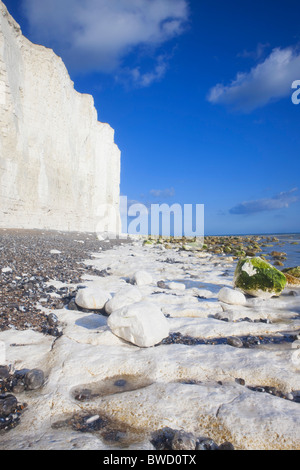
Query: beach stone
x=206, y=444
x=231, y=296
x=176, y=286
x=6, y=270
x=7, y=404
x=126, y=296
x=141, y=323
x=226, y=446
x=92, y=298
x=52, y=319
x=162, y=439
x=235, y=342
x=257, y=277
x=72, y=305
x=142, y=278
x=184, y=441
x=162, y=285
x=291, y=280
x=4, y=372
x=18, y=385
x=34, y=379
x=295, y=272
x=292, y=275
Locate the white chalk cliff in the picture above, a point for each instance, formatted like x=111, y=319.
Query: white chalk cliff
x=58, y=164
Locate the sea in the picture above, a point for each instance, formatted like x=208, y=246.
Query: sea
x=287, y=243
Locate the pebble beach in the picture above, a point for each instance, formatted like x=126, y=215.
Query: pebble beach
x=214, y=372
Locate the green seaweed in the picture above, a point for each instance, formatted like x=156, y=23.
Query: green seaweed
x=292, y=271
x=267, y=278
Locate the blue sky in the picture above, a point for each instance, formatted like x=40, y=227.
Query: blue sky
x=199, y=94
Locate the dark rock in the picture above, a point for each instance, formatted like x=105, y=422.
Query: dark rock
x=183, y=441
x=88, y=423
x=226, y=446
x=20, y=374
x=235, y=342
x=161, y=285
x=53, y=332
x=18, y=386
x=34, y=379
x=240, y=381
x=58, y=305
x=4, y=372
x=83, y=395
x=251, y=341
x=8, y=404
x=206, y=444
x=120, y=383
x=163, y=438
x=52, y=319
x=72, y=305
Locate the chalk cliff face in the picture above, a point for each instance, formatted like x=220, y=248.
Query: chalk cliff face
x=58, y=164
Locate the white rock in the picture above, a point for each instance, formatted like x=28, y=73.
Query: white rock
x=142, y=324
x=92, y=419
x=55, y=252
x=7, y=270
x=142, y=278
x=92, y=298
x=231, y=296
x=255, y=302
x=126, y=296
x=205, y=293
x=176, y=286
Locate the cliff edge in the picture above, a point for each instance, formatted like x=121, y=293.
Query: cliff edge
x=58, y=164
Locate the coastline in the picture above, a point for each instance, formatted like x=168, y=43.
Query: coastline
x=207, y=387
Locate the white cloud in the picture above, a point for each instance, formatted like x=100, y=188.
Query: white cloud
x=269, y=81
x=163, y=193
x=99, y=34
x=281, y=201
x=145, y=79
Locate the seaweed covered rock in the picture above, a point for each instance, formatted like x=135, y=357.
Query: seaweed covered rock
x=295, y=272
x=292, y=275
x=256, y=277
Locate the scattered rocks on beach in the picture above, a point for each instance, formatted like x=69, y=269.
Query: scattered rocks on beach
x=178, y=440
x=215, y=362
x=15, y=383
x=31, y=269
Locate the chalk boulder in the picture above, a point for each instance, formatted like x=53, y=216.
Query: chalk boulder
x=92, y=298
x=126, y=296
x=141, y=278
x=231, y=296
x=176, y=286
x=142, y=324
